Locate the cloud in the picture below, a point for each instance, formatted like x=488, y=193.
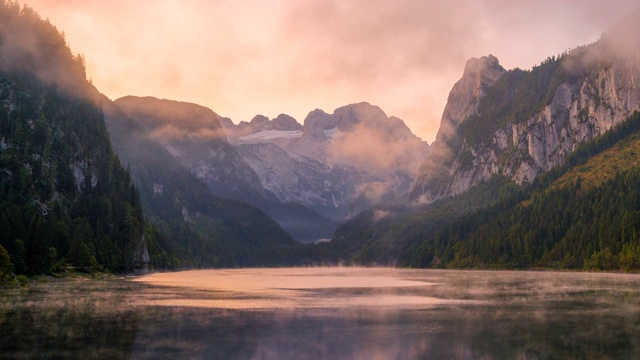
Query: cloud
x=380, y=214
x=373, y=149
x=405, y=55
x=172, y=120
x=172, y=131
x=374, y=192
x=242, y=58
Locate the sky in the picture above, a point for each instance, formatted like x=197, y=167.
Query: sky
x=247, y=57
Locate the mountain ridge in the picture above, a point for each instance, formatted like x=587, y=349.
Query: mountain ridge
x=339, y=163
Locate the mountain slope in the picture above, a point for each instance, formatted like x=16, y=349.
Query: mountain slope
x=304, y=181
x=64, y=197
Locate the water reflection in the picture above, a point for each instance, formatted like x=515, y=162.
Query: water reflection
x=327, y=313
x=296, y=288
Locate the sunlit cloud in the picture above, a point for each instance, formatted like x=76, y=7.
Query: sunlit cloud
x=243, y=58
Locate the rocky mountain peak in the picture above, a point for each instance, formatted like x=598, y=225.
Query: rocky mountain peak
x=227, y=124
x=356, y=152
x=259, y=121
x=285, y=122
x=479, y=74
x=360, y=113
x=346, y=117
x=316, y=122
x=475, y=66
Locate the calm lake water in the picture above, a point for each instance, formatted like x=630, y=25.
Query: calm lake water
x=327, y=313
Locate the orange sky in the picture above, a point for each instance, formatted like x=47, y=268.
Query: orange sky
x=243, y=58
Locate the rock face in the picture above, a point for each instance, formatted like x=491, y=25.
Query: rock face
x=464, y=98
x=303, y=180
x=335, y=159
x=463, y=101
x=578, y=112
x=542, y=116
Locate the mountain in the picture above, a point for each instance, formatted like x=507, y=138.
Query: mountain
x=337, y=164
x=520, y=124
x=305, y=181
x=194, y=137
x=65, y=199
x=195, y=227
x=531, y=168
x=307, y=178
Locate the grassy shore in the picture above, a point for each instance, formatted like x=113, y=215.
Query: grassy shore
x=25, y=281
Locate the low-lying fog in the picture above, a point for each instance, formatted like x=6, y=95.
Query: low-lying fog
x=327, y=313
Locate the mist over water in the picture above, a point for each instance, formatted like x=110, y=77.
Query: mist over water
x=321, y=313
x=302, y=288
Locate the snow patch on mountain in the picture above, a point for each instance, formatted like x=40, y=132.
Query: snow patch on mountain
x=334, y=133
x=267, y=135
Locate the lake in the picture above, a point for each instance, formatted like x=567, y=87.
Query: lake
x=327, y=313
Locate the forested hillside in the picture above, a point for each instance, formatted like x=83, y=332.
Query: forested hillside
x=389, y=235
x=584, y=215
x=65, y=200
